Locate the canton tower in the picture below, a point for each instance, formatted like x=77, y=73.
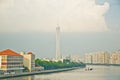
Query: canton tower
x=58, y=56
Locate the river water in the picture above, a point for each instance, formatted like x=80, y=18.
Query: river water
x=98, y=73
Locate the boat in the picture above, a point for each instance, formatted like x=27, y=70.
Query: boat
x=88, y=69
x=91, y=69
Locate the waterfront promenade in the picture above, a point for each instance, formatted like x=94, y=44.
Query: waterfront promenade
x=37, y=72
x=104, y=64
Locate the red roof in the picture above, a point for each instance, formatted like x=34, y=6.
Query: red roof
x=29, y=53
x=9, y=52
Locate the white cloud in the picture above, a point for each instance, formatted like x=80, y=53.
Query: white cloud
x=43, y=15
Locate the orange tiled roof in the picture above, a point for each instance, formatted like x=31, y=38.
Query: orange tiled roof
x=29, y=53
x=9, y=52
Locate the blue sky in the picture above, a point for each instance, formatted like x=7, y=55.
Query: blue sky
x=21, y=31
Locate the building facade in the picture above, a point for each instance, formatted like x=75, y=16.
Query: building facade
x=115, y=57
x=104, y=58
x=75, y=58
x=11, y=62
x=97, y=58
x=88, y=58
x=29, y=60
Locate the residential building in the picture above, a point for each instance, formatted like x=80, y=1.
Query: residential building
x=115, y=57
x=29, y=60
x=11, y=62
x=97, y=58
x=104, y=58
x=75, y=58
x=88, y=58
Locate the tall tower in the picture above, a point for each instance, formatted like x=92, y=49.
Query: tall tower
x=58, y=43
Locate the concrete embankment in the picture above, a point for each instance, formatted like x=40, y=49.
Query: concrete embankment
x=35, y=73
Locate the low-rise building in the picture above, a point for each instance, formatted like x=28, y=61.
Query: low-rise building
x=11, y=62
x=29, y=60
x=75, y=58
x=39, y=68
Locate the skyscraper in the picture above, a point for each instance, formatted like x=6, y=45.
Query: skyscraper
x=58, y=43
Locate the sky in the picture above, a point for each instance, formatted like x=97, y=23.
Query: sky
x=86, y=26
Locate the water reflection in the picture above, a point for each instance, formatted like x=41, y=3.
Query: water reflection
x=98, y=73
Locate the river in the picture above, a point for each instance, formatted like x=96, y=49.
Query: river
x=98, y=73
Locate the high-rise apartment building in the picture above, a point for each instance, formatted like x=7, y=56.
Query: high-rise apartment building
x=88, y=58
x=115, y=57
x=97, y=58
x=103, y=57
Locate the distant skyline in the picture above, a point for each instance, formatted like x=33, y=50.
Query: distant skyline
x=43, y=44
x=86, y=26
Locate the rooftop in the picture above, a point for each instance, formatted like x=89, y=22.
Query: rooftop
x=29, y=53
x=9, y=52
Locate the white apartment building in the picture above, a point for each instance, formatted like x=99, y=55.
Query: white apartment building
x=29, y=60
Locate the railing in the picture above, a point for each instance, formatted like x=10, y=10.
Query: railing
x=37, y=72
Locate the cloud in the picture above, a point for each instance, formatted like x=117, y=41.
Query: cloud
x=43, y=15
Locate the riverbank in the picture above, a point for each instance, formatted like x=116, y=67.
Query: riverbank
x=105, y=64
x=35, y=73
